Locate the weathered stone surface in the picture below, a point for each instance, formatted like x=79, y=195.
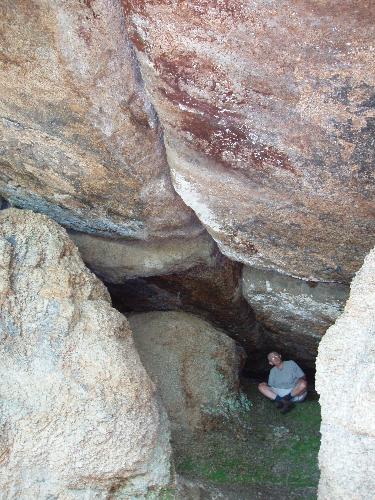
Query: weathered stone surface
x=115, y=261
x=194, y=365
x=78, y=414
x=79, y=139
x=267, y=110
x=298, y=312
x=345, y=381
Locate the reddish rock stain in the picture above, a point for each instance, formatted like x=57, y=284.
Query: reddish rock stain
x=184, y=70
x=130, y=6
x=187, y=68
x=6, y=60
x=191, y=9
x=85, y=34
x=214, y=140
x=89, y=4
x=198, y=105
x=138, y=43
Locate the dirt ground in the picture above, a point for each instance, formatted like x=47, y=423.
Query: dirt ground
x=257, y=454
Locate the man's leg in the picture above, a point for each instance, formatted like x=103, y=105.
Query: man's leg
x=270, y=393
x=300, y=388
x=266, y=390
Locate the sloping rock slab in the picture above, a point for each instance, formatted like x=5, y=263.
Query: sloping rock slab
x=78, y=414
x=297, y=312
x=115, y=261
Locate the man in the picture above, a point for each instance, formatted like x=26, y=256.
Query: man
x=286, y=383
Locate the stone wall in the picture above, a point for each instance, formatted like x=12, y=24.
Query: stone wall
x=296, y=312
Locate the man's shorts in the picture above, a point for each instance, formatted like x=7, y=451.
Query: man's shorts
x=284, y=392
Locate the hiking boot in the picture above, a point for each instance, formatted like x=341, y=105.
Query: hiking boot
x=279, y=404
x=286, y=405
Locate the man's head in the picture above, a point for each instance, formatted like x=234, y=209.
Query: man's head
x=274, y=358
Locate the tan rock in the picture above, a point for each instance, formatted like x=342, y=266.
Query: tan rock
x=268, y=121
x=80, y=141
x=118, y=260
x=78, y=413
x=194, y=365
x=345, y=381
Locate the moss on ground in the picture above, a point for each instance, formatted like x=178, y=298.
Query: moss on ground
x=265, y=448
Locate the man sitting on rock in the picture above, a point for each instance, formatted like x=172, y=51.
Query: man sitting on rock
x=286, y=383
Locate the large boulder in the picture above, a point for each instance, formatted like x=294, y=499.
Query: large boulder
x=78, y=413
x=80, y=140
x=268, y=121
x=345, y=381
x=194, y=365
x=296, y=312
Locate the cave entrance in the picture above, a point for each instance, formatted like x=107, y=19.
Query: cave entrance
x=246, y=449
x=188, y=292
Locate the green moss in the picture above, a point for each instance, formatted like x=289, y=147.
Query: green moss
x=163, y=494
x=267, y=449
x=187, y=465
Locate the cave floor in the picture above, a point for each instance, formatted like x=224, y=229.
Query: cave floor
x=262, y=454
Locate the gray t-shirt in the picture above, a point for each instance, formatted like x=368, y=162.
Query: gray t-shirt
x=285, y=378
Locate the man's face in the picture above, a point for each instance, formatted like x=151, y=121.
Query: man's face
x=274, y=358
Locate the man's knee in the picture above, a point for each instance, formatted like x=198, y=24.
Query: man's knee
x=303, y=384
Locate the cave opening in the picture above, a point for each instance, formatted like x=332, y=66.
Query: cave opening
x=195, y=291
x=220, y=451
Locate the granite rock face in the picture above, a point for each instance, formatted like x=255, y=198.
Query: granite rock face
x=268, y=116
x=345, y=382
x=80, y=141
x=194, y=365
x=297, y=313
x=78, y=412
